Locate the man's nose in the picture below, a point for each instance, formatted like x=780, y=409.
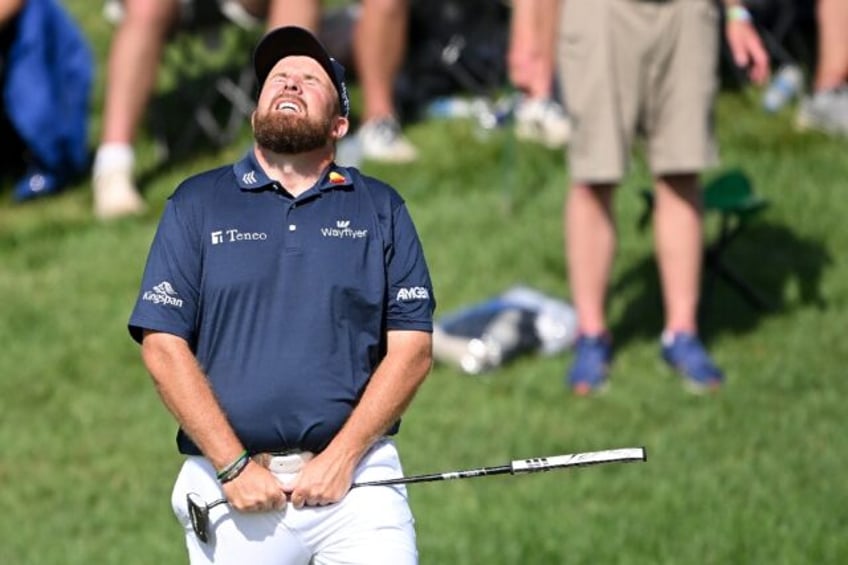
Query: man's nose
x=291, y=83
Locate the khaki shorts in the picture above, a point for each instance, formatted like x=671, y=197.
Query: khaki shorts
x=645, y=67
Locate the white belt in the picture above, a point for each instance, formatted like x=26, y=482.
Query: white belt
x=283, y=462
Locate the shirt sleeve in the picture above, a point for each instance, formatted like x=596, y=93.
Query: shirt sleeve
x=170, y=287
x=411, y=302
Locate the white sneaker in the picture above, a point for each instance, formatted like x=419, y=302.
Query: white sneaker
x=826, y=111
x=542, y=120
x=381, y=139
x=115, y=195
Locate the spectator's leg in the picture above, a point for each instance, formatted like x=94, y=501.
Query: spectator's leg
x=521, y=56
x=590, y=241
x=832, y=66
x=379, y=47
x=133, y=64
x=679, y=244
x=827, y=108
x=530, y=60
x=533, y=28
x=302, y=13
x=547, y=20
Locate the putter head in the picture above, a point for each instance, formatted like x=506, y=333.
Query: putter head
x=198, y=512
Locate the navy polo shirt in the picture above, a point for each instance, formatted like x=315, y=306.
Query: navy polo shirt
x=284, y=301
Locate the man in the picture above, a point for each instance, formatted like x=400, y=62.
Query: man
x=285, y=317
x=648, y=66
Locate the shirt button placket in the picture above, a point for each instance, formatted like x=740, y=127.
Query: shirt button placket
x=292, y=233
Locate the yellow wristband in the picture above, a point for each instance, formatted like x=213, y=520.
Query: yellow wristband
x=738, y=13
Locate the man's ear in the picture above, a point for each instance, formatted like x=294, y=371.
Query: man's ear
x=253, y=119
x=340, y=127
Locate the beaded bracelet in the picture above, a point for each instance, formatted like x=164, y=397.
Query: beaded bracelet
x=738, y=13
x=235, y=472
x=234, y=469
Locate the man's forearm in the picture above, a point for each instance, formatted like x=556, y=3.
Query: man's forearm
x=387, y=395
x=185, y=391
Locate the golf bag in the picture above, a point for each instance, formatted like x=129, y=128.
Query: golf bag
x=486, y=335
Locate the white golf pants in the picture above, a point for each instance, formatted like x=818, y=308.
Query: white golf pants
x=370, y=526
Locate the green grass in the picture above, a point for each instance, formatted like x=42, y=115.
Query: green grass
x=752, y=475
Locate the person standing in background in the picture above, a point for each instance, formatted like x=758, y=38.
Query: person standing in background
x=650, y=67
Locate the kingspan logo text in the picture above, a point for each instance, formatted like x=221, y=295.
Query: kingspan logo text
x=163, y=293
x=343, y=231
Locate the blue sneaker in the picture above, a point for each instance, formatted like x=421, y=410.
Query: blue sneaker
x=593, y=355
x=686, y=355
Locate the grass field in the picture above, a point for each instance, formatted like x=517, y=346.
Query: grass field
x=751, y=475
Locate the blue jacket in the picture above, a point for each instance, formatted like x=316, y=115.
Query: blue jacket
x=49, y=71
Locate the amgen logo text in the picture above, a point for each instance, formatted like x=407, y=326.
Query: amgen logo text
x=412, y=293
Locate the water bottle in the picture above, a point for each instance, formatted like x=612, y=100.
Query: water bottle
x=492, y=114
x=785, y=85
x=448, y=107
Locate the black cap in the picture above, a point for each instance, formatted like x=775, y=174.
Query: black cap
x=292, y=40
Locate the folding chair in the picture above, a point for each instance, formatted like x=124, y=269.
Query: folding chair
x=732, y=198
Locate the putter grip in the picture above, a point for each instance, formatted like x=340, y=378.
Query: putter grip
x=579, y=459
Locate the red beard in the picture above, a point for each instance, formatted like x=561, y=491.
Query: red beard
x=290, y=134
